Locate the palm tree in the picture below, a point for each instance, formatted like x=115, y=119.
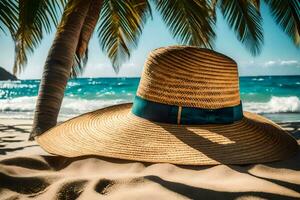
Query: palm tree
x=120, y=25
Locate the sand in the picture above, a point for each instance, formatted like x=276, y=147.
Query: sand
x=28, y=172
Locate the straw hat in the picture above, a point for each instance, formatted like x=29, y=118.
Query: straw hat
x=187, y=111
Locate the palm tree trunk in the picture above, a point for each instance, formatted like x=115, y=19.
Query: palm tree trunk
x=58, y=66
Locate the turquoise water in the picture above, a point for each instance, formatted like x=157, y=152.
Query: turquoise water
x=276, y=97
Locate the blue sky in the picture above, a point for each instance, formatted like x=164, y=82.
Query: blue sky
x=279, y=55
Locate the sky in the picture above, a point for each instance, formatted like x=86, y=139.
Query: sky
x=279, y=56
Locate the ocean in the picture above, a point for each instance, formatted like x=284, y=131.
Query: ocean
x=275, y=97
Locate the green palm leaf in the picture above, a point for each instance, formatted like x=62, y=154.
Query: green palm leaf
x=8, y=16
x=287, y=14
x=190, y=21
x=35, y=18
x=244, y=18
x=121, y=24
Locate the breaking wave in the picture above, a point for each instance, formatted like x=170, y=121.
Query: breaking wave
x=275, y=105
x=23, y=107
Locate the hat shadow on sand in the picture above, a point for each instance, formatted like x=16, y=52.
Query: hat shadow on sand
x=197, y=192
x=215, y=148
x=242, y=168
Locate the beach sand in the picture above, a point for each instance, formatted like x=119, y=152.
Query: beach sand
x=28, y=172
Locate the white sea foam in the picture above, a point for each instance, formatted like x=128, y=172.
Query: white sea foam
x=76, y=106
x=20, y=104
x=258, y=79
x=17, y=85
x=23, y=107
x=275, y=105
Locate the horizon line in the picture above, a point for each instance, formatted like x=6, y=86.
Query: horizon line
x=86, y=77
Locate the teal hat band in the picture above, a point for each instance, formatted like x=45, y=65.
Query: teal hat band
x=164, y=113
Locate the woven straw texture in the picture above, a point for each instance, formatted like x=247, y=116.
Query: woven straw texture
x=191, y=77
x=183, y=76
x=116, y=132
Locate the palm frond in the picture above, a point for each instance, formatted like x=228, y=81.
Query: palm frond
x=79, y=65
x=8, y=16
x=189, y=21
x=85, y=35
x=213, y=5
x=35, y=18
x=121, y=24
x=244, y=18
x=256, y=4
x=287, y=15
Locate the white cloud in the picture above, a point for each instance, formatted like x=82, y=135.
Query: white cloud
x=269, y=67
x=269, y=63
x=290, y=63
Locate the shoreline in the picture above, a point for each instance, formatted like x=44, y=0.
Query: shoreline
x=281, y=117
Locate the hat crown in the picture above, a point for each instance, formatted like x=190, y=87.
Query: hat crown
x=190, y=77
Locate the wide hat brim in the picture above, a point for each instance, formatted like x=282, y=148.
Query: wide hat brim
x=116, y=132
